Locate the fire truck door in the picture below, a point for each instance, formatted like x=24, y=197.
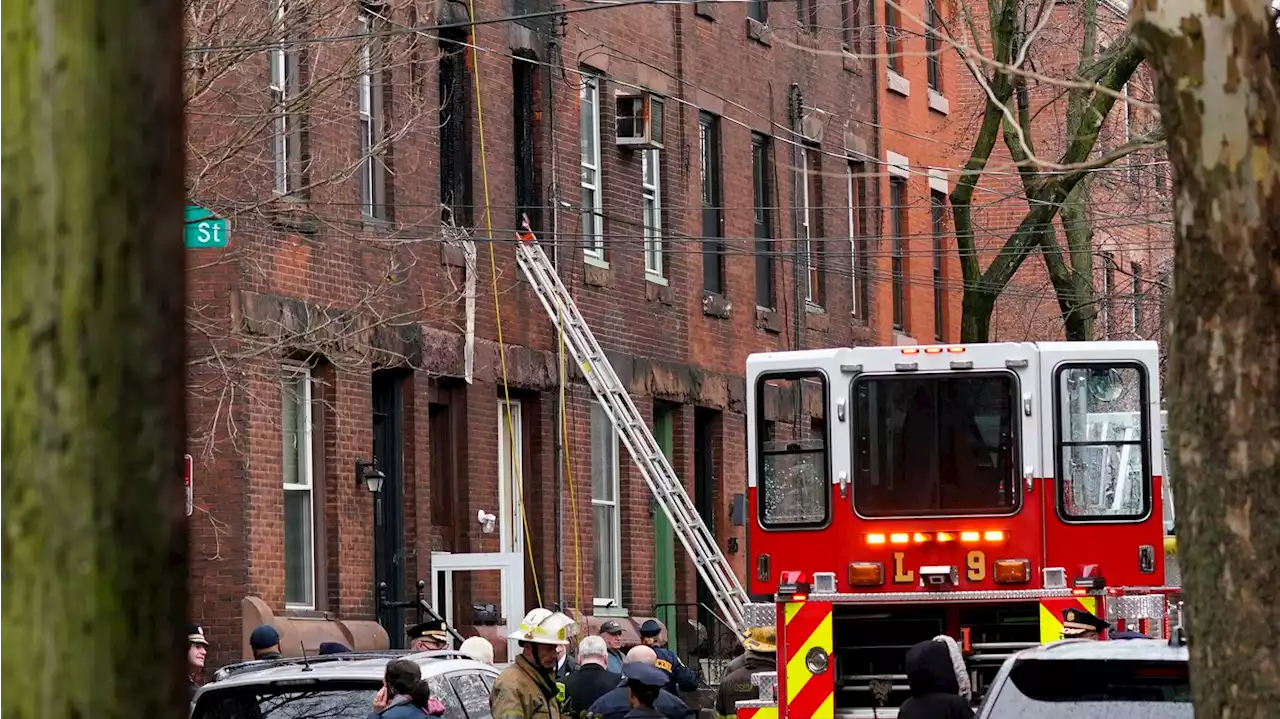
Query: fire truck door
x=1102, y=448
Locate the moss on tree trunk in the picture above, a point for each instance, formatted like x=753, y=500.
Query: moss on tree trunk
x=94, y=548
x=1218, y=82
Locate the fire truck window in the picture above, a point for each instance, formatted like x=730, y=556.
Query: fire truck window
x=794, y=485
x=1103, y=442
x=934, y=445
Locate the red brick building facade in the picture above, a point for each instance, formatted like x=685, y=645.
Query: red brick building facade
x=367, y=183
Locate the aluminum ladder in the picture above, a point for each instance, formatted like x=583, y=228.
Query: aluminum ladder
x=687, y=524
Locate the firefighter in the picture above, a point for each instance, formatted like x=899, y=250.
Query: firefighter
x=1080, y=624
x=761, y=646
x=682, y=678
x=527, y=689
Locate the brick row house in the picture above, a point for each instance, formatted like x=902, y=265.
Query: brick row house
x=712, y=180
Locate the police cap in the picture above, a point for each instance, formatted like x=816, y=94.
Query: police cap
x=650, y=628
x=1079, y=621
x=645, y=676
x=433, y=628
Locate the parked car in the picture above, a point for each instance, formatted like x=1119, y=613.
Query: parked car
x=339, y=686
x=1082, y=679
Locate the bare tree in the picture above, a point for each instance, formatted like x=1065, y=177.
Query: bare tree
x=1218, y=81
x=1013, y=32
x=94, y=537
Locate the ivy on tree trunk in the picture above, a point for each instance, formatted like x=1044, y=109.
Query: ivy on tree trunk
x=94, y=547
x=1217, y=69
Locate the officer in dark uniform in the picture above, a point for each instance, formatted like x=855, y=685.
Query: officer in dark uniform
x=1080, y=624
x=428, y=636
x=682, y=679
x=645, y=684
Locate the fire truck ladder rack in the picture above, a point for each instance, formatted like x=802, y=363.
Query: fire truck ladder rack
x=697, y=539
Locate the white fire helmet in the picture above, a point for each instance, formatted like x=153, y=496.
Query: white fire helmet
x=543, y=626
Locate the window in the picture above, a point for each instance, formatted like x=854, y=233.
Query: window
x=938, y=211
x=651, y=198
x=794, y=477
x=761, y=166
x=299, y=539
x=932, y=46
x=510, y=476
x=286, y=86
x=1135, y=301
x=898, y=229
x=851, y=25
x=857, y=190
x=811, y=230
x=473, y=693
x=592, y=202
x=440, y=689
x=605, y=509
x=373, y=171
x=712, y=204
x=455, y=134
x=1103, y=445
x=1080, y=688
x=935, y=445
x=758, y=10
x=524, y=109
x=1128, y=130
x=330, y=698
x=1108, y=286
x=807, y=14
x=892, y=38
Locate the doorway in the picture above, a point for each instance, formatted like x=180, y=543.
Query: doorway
x=706, y=424
x=388, y=505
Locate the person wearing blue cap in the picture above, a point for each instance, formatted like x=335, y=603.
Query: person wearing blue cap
x=265, y=642
x=645, y=684
x=333, y=648
x=681, y=678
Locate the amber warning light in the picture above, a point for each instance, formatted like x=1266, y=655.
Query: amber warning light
x=990, y=536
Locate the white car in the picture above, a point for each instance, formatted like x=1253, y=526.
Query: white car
x=339, y=686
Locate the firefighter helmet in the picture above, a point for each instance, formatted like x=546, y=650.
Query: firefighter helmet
x=543, y=626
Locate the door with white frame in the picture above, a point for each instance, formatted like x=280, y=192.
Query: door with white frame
x=495, y=576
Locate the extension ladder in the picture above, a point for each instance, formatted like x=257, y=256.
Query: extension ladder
x=697, y=539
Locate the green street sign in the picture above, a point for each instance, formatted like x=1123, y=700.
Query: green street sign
x=205, y=229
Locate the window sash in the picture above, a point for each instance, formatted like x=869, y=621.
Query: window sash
x=763, y=221
x=296, y=391
x=651, y=191
x=713, y=279
x=897, y=198
x=934, y=59
x=592, y=205
x=608, y=588
x=937, y=208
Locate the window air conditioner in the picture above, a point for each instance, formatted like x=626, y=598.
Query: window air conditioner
x=639, y=123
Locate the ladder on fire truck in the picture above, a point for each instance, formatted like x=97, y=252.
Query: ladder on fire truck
x=687, y=524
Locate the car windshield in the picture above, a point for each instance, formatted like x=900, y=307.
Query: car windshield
x=1095, y=689
x=310, y=700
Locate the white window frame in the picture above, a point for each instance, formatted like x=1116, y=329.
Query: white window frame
x=598, y=413
x=651, y=201
x=510, y=531
x=851, y=191
x=279, y=102
x=304, y=464
x=592, y=190
x=806, y=232
x=364, y=91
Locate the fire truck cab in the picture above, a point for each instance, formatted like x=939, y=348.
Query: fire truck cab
x=896, y=494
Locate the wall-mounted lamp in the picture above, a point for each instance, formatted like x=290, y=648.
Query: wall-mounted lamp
x=368, y=475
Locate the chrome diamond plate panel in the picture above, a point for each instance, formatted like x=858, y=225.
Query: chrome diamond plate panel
x=768, y=683
x=760, y=615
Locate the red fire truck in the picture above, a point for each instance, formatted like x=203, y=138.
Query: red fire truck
x=897, y=494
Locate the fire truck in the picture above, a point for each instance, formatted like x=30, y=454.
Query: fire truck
x=896, y=494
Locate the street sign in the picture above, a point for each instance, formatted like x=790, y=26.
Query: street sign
x=205, y=229
x=190, y=472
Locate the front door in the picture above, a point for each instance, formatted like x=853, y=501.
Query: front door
x=664, y=543
x=388, y=537
x=481, y=581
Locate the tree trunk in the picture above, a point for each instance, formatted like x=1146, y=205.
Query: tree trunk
x=94, y=546
x=1218, y=83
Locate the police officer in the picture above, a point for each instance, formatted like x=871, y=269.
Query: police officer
x=645, y=684
x=1080, y=624
x=681, y=677
x=428, y=636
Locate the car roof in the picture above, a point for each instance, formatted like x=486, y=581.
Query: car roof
x=1116, y=649
x=353, y=666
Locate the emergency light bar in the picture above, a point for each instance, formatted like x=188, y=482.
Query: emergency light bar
x=992, y=536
